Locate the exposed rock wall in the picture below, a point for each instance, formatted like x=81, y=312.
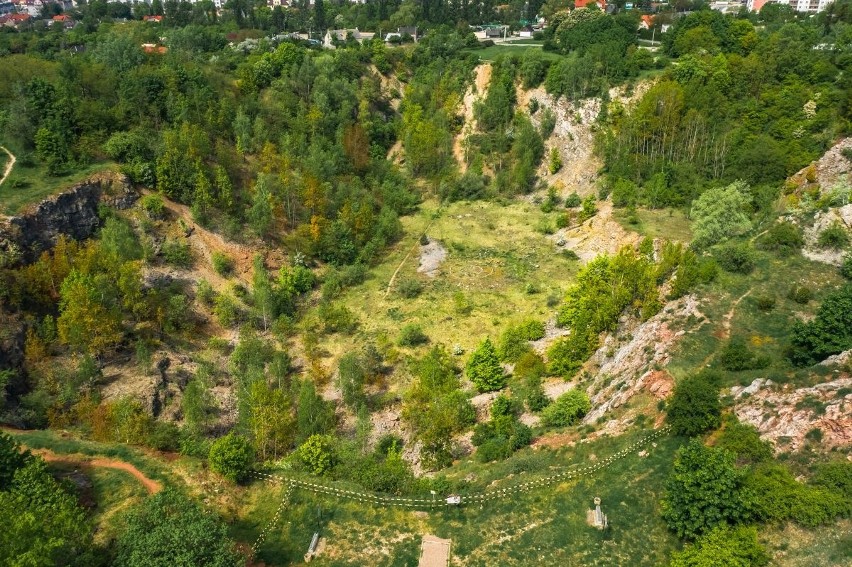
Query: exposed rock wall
x=73, y=213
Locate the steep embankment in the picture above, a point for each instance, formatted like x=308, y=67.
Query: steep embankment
x=475, y=92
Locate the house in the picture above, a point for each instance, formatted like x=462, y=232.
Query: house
x=646, y=22
x=155, y=19
x=583, y=3
x=65, y=20
x=16, y=21
x=153, y=48
x=6, y=7
x=811, y=6
x=340, y=36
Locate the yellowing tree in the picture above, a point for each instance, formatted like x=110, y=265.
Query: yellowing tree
x=87, y=322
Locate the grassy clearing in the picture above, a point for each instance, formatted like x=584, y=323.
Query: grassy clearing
x=28, y=184
x=792, y=546
x=498, y=270
x=542, y=527
x=670, y=224
x=767, y=330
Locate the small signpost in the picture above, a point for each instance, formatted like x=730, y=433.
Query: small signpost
x=600, y=517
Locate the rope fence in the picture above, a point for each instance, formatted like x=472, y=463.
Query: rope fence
x=318, y=487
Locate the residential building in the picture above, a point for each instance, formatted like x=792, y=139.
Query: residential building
x=810, y=6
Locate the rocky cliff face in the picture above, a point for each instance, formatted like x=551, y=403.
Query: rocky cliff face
x=73, y=213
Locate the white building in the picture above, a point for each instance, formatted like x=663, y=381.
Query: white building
x=811, y=6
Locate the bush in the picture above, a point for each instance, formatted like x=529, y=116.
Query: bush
x=177, y=253
x=695, y=407
x=736, y=356
x=783, y=238
x=412, y=335
x=765, y=302
x=317, y=454
x=846, y=266
x=567, y=409
x=547, y=123
x=723, y=545
x=336, y=318
x=801, y=294
x=226, y=311
x=409, y=288
x=504, y=406
x=735, y=258
x=573, y=201
x=232, y=456
x=834, y=237
x=744, y=441
x=514, y=342
x=483, y=368
x=222, y=264
x=153, y=206
x=830, y=332
x=555, y=163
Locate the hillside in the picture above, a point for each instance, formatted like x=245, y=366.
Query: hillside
x=420, y=301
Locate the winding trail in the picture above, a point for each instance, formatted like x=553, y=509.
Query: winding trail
x=8, y=169
x=152, y=486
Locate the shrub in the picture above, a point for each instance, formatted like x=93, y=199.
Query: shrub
x=555, y=163
x=765, y=302
x=504, y=406
x=409, y=288
x=723, y=545
x=547, y=123
x=232, y=456
x=514, y=342
x=801, y=294
x=835, y=476
x=567, y=409
x=846, y=266
x=735, y=258
x=205, y=293
x=412, y=335
x=530, y=365
x=834, y=236
x=783, y=238
x=317, y=454
x=720, y=213
x=573, y=201
x=225, y=309
x=830, y=332
x=695, y=407
x=336, y=318
x=153, y=206
x=177, y=253
x=743, y=440
x=737, y=356
x=483, y=368
x=222, y=264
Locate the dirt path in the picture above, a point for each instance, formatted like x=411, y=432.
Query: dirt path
x=725, y=333
x=152, y=486
x=8, y=169
x=402, y=263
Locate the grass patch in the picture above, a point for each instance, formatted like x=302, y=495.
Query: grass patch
x=546, y=526
x=30, y=184
x=670, y=224
x=498, y=270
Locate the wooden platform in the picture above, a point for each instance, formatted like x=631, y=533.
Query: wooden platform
x=434, y=552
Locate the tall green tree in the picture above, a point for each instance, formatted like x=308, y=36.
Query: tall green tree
x=169, y=530
x=704, y=490
x=483, y=368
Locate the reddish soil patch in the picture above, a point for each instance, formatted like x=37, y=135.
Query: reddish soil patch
x=556, y=441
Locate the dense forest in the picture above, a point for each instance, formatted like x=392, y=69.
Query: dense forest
x=314, y=159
